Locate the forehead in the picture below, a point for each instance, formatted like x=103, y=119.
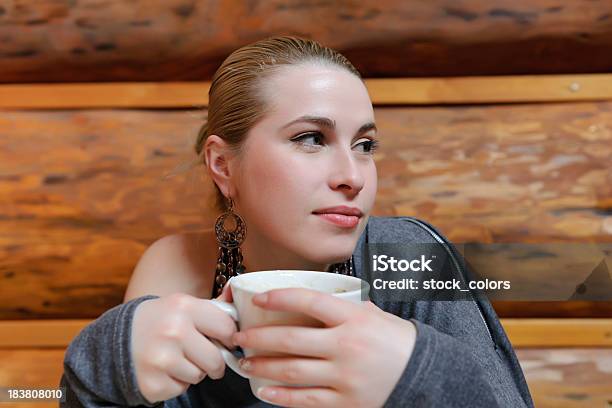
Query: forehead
x=311, y=89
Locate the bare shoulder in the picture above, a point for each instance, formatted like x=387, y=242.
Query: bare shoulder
x=182, y=263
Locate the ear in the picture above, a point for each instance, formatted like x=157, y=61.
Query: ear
x=217, y=155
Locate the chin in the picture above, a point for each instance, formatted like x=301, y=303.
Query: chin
x=333, y=253
x=332, y=245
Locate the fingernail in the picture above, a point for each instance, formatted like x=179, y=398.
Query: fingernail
x=261, y=298
x=238, y=338
x=245, y=364
x=266, y=393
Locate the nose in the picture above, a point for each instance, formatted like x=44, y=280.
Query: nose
x=347, y=174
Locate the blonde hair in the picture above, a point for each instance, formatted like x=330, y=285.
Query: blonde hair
x=235, y=97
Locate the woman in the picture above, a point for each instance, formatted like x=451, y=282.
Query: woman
x=289, y=144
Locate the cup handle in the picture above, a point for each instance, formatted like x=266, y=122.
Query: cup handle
x=227, y=355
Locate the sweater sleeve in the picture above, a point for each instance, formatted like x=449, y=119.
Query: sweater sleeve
x=441, y=373
x=98, y=367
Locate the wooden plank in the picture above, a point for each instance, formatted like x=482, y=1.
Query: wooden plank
x=120, y=41
x=559, y=309
x=383, y=91
x=64, y=212
x=39, y=333
x=105, y=95
x=521, y=332
x=559, y=332
x=31, y=368
x=568, y=378
x=471, y=90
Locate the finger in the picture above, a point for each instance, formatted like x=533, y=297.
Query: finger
x=177, y=387
x=299, y=371
x=226, y=293
x=322, y=306
x=211, y=321
x=302, y=341
x=300, y=397
x=163, y=388
x=205, y=355
x=185, y=371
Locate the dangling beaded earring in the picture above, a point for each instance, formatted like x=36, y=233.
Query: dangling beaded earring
x=229, y=262
x=343, y=268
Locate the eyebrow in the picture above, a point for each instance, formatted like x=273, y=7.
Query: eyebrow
x=328, y=123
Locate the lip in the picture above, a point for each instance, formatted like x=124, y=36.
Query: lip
x=340, y=209
x=340, y=220
x=341, y=216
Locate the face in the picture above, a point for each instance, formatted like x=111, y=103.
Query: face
x=291, y=167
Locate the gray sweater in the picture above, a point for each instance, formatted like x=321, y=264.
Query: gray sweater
x=461, y=358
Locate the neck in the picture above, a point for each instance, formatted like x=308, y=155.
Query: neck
x=260, y=255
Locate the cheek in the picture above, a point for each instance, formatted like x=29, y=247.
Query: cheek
x=373, y=179
x=370, y=175
x=279, y=181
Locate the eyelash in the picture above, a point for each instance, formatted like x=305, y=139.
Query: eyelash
x=372, y=144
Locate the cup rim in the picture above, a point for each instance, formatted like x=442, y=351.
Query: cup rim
x=364, y=285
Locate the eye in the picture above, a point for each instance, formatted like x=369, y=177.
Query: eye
x=370, y=146
x=310, y=135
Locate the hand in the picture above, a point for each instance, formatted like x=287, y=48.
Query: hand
x=354, y=361
x=170, y=350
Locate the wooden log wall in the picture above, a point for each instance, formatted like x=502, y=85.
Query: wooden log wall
x=76, y=186
x=105, y=40
x=84, y=192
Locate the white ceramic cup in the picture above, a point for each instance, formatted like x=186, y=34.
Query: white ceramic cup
x=247, y=315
